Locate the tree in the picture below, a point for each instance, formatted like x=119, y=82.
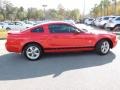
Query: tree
x=103, y=8
x=39, y=14
x=96, y=10
x=75, y=14
x=115, y=6
x=31, y=13
x=10, y=12
x=52, y=14
x=61, y=12
x=21, y=14
x=106, y=4
x=1, y=17
x=101, y=5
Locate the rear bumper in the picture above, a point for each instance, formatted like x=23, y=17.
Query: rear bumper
x=12, y=48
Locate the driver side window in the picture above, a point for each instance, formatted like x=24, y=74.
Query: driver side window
x=61, y=28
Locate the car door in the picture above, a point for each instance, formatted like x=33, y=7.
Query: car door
x=63, y=35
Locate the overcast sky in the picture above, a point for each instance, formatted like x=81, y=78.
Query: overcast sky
x=68, y=4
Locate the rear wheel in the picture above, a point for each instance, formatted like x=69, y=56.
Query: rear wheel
x=103, y=47
x=33, y=52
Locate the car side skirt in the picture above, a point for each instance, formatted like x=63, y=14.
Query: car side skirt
x=69, y=49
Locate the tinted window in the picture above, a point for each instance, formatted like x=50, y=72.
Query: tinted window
x=40, y=29
x=118, y=18
x=112, y=17
x=10, y=23
x=106, y=18
x=61, y=28
x=90, y=19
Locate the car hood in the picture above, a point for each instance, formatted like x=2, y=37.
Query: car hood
x=97, y=32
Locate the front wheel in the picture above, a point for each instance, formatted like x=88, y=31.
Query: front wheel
x=116, y=29
x=8, y=28
x=104, y=26
x=33, y=52
x=103, y=47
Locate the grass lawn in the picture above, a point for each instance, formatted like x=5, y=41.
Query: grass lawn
x=3, y=34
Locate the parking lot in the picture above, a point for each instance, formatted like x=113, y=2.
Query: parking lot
x=64, y=71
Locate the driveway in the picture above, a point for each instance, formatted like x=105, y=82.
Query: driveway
x=64, y=71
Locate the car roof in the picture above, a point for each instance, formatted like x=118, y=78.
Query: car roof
x=55, y=22
x=51, y=22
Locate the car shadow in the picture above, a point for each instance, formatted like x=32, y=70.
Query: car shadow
x=14, y=66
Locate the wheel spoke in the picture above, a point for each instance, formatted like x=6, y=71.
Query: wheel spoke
x=105, y=47
x=31, y=48
x=29, y=52
x=36, y=50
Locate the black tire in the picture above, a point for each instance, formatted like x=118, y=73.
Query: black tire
x=8, y=28
x=117, y=28
x=99, y=47
x=104, y=26
x=33, y=45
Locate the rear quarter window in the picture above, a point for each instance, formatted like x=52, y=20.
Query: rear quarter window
x=37, y=30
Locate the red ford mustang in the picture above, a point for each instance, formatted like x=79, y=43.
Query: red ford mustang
x=58, y=37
